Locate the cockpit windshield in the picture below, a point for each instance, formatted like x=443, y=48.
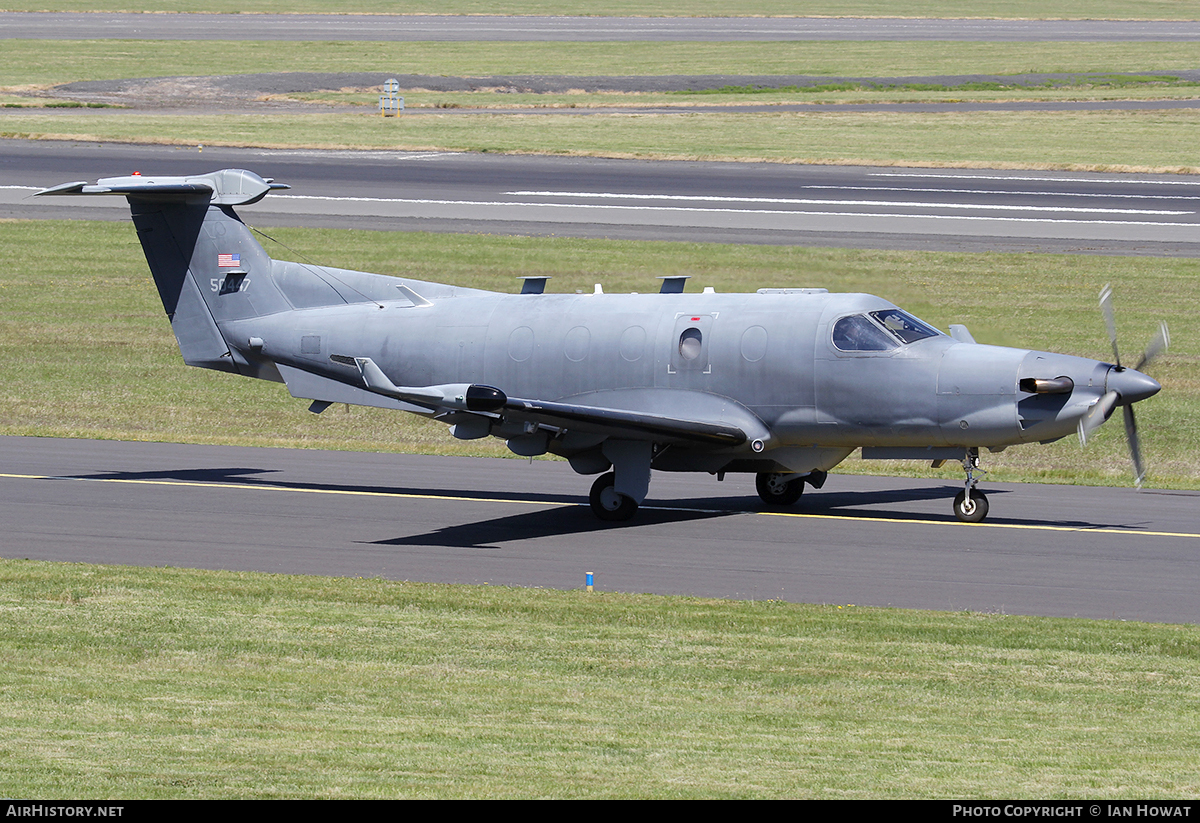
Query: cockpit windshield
x=904, y=326
x=857, y=333
x=890, y=329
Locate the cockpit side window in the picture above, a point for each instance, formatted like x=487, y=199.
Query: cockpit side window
x=904, y=326
x=857, y=333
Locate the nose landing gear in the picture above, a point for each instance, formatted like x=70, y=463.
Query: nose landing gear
x=971, y=505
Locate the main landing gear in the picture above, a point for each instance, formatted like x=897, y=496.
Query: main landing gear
x=970, y=504
x=616, y=495
x=779, y=489
x=784, y=489
x=608, y=503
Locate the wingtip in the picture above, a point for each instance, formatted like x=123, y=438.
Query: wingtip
x=64, y=188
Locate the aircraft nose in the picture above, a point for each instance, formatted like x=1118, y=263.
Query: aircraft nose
x=1131, y=385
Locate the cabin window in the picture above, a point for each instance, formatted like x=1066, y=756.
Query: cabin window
x=690, y=344
x=858, y=333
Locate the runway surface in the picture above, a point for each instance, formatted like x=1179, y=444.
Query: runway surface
x=902, y=208
x=71, y=26
x=1045, y=550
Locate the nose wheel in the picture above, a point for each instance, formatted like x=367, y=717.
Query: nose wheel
x=970, y=504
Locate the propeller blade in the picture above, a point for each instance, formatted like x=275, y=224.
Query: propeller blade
x=1133, y=384
x=1110, y=322
x=1156, y=346
x=1096, y=415
x=1135, y=447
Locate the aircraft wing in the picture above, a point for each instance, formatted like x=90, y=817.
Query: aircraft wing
x=631, y=425
x=634, y=414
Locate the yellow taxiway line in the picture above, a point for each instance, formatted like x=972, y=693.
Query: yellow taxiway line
x=463, y=498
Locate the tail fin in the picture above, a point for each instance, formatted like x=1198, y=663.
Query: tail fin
x=198, y=250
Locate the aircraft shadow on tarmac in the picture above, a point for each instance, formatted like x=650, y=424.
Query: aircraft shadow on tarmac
x=229, y=475
x=865, y=505
x=877, y=504
x=556, y=522
x=841, y=504
x=567, y=520
x=243, y=477
x=574, y=517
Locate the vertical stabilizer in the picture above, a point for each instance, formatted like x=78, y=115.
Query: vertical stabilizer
x=207, y=266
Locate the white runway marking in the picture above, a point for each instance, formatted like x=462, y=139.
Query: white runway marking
x=1003, y=177
x=1013, y=193
x=784, y=212
x=824, y=202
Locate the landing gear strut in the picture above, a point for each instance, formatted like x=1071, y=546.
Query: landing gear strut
x=971, y=505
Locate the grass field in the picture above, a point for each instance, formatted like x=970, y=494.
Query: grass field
x=1159, y=141
x=1023, y=9
x=113, y=370
x=42, y=62
x=1150, y=140
x=1152, y=87
x=122, y=682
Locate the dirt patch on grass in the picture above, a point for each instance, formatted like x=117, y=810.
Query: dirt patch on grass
x=259, y=91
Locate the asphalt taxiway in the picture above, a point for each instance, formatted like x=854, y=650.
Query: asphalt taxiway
x=495, y=28
x=1045, y=550
x=847, y=206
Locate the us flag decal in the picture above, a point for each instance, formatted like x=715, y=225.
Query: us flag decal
x=225, y=261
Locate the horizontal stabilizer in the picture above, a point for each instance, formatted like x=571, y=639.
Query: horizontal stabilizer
x=228, y=187
x=309, y=386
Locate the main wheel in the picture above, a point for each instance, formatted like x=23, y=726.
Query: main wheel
x=773, y=489
x=607, y=503
x=970, y=510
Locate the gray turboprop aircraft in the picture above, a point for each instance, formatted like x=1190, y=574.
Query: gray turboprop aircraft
x=783, y=383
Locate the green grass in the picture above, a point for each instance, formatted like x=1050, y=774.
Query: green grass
x=54, y=104
x=1144, y=140
x=1022, y=9
x=1122, y=82
x=823, y=94
x=125, y=683
x=1103, y=81
x=1156, y=140
x=42, y=62
x=89, y=354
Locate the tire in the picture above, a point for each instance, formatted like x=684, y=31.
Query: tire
x=972, y=511
x=607, y=504
x=776, y=492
